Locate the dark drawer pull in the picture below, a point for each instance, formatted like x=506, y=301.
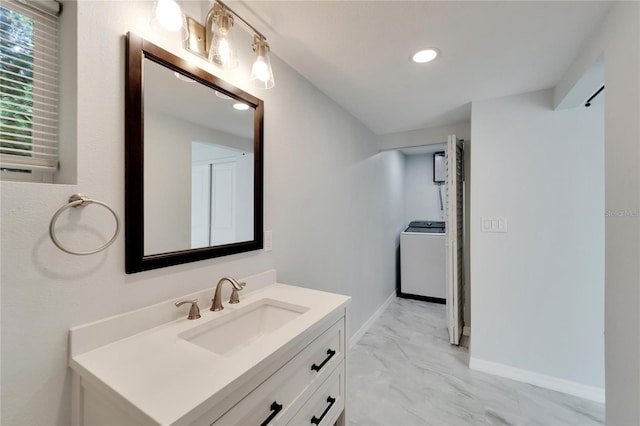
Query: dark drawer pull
x=316, y=420
x=275, y=408
x=331, y=353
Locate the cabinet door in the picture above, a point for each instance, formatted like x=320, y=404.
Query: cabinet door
x=326, y=404
x=277, y=399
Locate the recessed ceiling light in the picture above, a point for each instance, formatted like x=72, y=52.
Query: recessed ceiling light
x=424, y=56
x=241, y=107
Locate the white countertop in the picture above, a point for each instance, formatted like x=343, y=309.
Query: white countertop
x=166, y=377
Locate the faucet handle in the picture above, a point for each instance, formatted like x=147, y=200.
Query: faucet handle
x=194, y=311
x=234, y=294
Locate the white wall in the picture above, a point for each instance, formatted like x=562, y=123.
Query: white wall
x=421, y=200
x=330, y=200
x=67, y=80
x=167, y=183
x=618, y=42
x=538, y=290
x=338, y=218
x=622, y=152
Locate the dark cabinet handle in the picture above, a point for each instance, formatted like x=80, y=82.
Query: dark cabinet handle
x=275, y=408
x=331, y=353
x=316, y=420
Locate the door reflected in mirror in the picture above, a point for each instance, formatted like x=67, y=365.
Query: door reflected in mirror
x=221, y=195
x=198, y=164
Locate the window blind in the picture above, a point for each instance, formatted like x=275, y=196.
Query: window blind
x=29, y=85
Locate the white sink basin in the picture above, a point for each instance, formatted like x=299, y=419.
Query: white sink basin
x=242, y=328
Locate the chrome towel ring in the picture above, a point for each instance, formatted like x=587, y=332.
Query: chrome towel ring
x=75, y=201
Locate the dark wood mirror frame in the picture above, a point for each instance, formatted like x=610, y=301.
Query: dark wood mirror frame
x=138, y=49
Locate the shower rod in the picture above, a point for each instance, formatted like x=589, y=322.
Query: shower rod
x=588, y=103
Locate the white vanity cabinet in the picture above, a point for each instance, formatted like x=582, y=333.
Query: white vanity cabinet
x=295, y=376
x=296, y=384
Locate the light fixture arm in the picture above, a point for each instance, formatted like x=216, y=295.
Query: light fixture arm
x=200, y=36
x=239, y=17
x=211, y=41
x=259, y=45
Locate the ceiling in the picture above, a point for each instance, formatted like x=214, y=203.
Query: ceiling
x=358, y=52
x=193, y=102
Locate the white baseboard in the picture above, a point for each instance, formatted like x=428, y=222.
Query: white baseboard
x=542, y=380
x=358, y=334
x=466, y=331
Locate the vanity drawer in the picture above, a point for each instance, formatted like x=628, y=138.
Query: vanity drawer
x=326, y=404
x=279, y=397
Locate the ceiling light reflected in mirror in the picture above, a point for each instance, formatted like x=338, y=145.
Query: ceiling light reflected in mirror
x=183, y=77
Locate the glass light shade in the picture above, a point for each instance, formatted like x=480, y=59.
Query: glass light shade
x=167, y=15
x=261, y=72
x=222, y=50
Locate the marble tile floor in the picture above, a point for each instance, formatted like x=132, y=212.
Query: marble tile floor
x=403, y=372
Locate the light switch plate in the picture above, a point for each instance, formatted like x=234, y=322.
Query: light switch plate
x=268, y=240
x=493, y=224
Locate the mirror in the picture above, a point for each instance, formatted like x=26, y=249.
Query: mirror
x=193, y=156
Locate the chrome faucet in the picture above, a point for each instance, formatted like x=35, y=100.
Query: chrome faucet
x=217, y=298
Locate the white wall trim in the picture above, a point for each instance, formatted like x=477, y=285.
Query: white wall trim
x=542, y=380
x=358, y=334
x=466, y=331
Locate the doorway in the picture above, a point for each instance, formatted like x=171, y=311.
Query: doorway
x=426, y=261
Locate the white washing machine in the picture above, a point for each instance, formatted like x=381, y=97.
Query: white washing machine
x=422, y=261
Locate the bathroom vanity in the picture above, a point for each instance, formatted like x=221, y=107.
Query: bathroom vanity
x=277, y=357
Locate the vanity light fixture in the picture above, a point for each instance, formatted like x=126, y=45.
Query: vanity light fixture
x=213, y=41
x=218, y=30
x=261, y=72
x=425, y=56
